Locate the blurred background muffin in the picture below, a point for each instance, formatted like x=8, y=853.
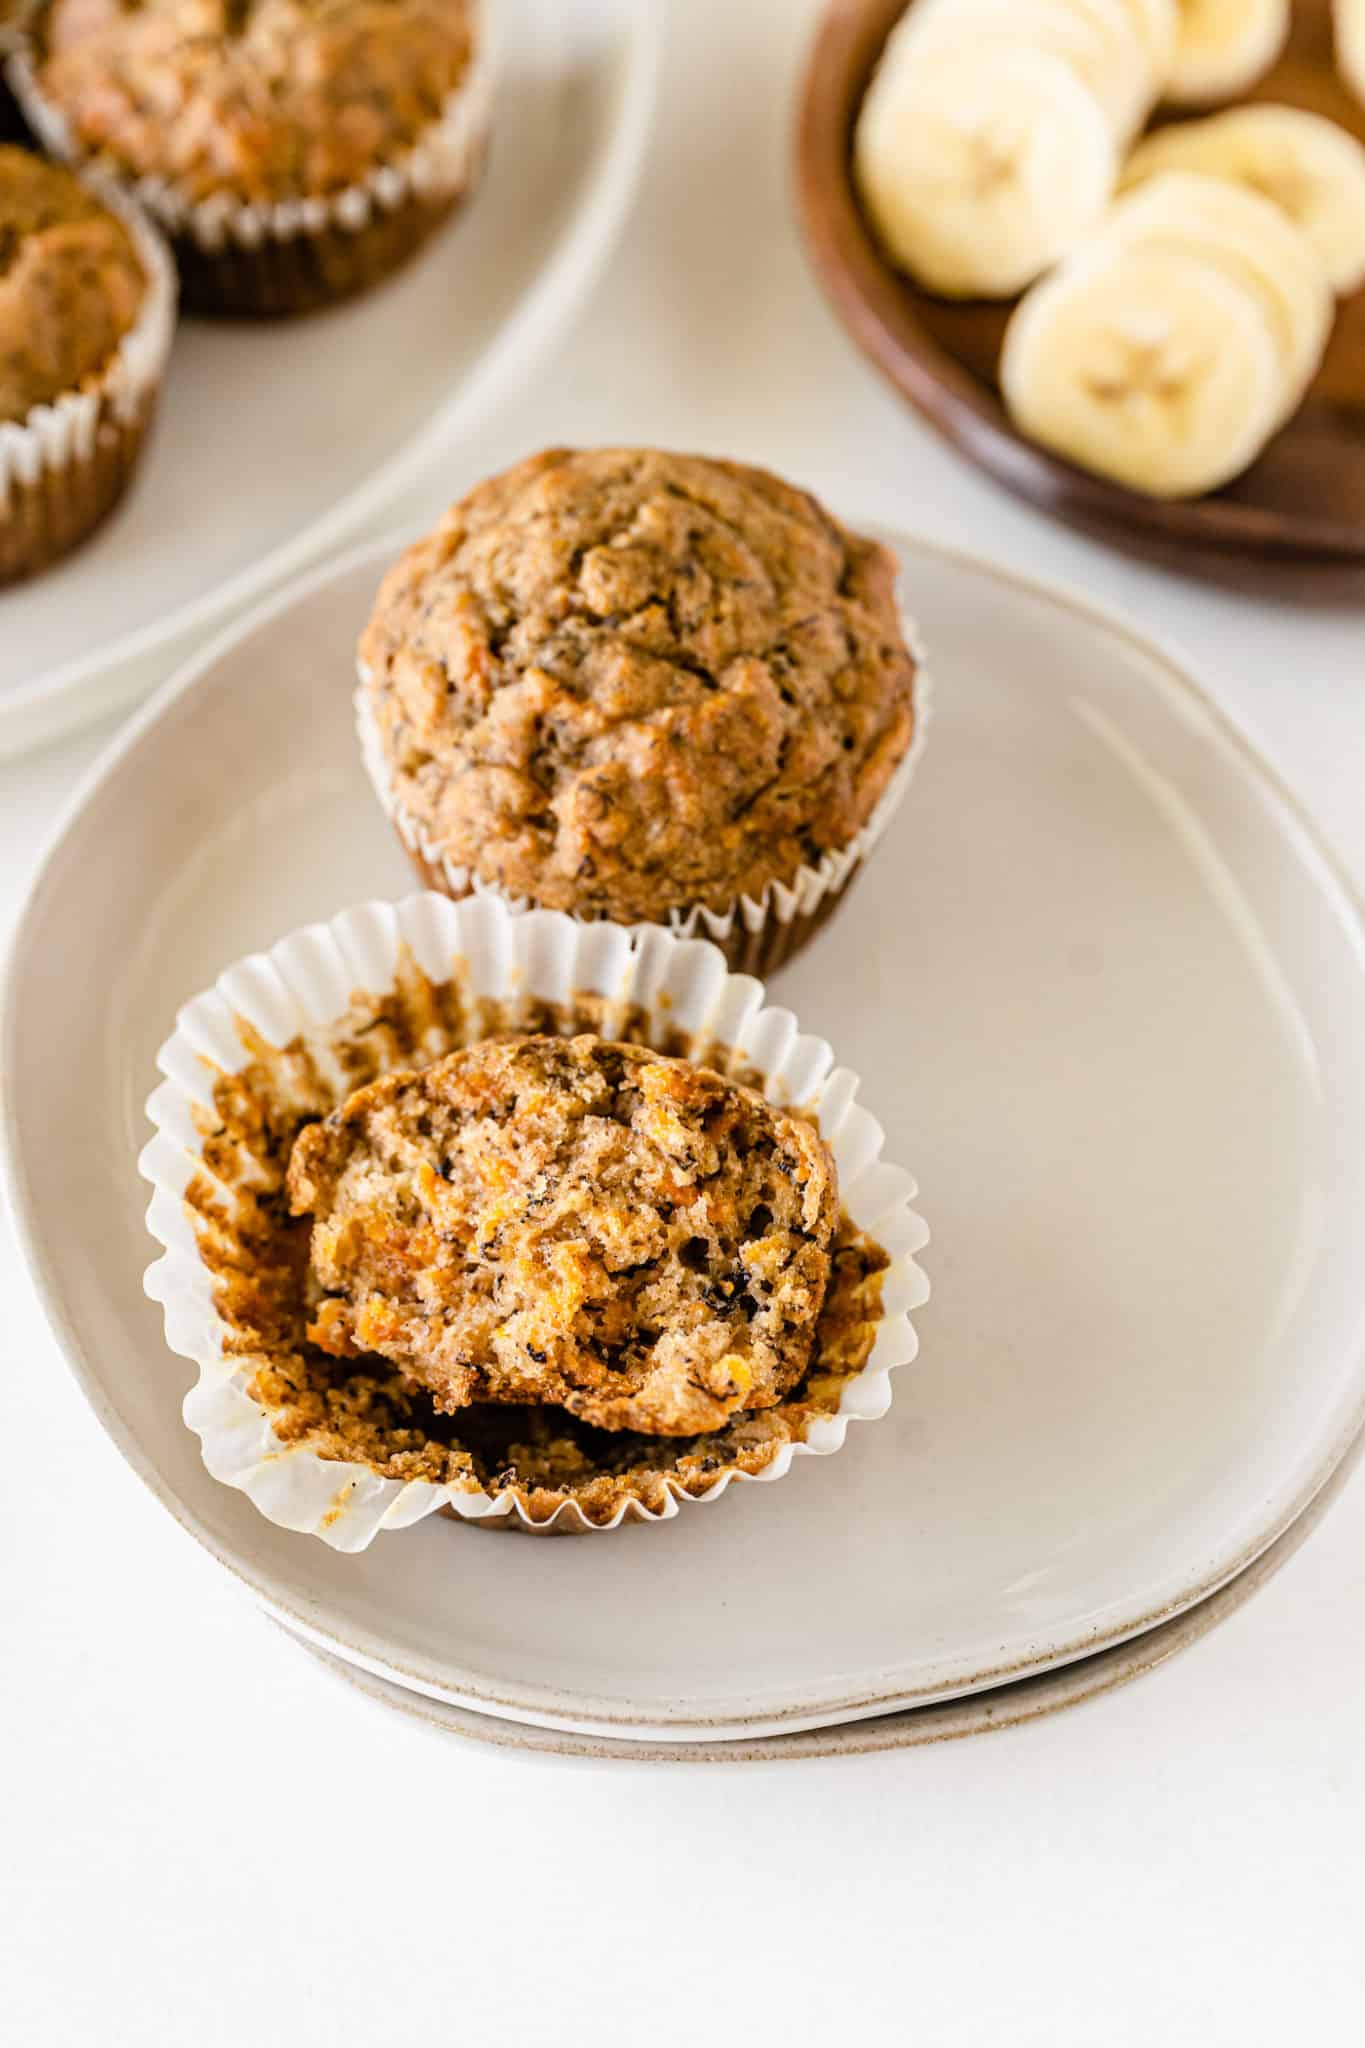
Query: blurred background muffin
x=296, y=151
x=644, y=687
x=87, y=298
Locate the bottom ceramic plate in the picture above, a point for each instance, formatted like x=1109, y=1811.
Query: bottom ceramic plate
x=978, y=1713
x=1106, y=990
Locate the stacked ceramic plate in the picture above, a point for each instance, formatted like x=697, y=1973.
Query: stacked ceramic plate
x=1106, y=992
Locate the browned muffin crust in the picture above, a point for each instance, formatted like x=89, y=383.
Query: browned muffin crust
x=259, y=100
x=71, y=283
x=573, y=1221
x=620, y=682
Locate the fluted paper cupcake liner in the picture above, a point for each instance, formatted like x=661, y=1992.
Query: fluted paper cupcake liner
x=756, y=934
x=65, y=465
x=239, y=258
x=482, y=968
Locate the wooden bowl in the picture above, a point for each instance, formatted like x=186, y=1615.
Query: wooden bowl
x=1304, y=497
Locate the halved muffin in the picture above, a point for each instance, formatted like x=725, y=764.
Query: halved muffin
x=346, y=1443
x=630, y=1237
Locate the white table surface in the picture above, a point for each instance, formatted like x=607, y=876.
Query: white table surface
x=204, y=1840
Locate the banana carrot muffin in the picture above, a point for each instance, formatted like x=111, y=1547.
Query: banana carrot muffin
x=645, y=687
x=86, y=311
x=571, y=1221
x=296, y=150
x=535, y=1260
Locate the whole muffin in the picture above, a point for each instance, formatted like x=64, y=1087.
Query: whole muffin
x=86, y=313
x=646, y=687
x=295, y=150
x=540, y=1219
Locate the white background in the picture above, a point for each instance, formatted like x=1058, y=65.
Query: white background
x=202, y=1839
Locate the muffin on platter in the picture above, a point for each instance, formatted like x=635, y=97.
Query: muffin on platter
x=646, y=687
x=537, y=1223
x=295, y=151
x=87, y=310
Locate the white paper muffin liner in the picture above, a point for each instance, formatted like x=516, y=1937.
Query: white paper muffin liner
x=60, y=435
x=308, y=981
x=440, y=164
x=756, y=932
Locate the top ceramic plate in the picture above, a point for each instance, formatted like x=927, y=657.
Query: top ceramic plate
x=1106, y=990
x=278, y=441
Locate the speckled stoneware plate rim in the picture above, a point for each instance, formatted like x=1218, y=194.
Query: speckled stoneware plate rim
x=73, y=693
x=554, y=1706
x=1001, y=1707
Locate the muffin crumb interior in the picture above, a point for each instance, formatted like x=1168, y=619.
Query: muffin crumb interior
x=571, y=1220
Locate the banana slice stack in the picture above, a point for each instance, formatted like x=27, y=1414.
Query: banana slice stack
x=1168, y=350
x=990, y=140
x=1174, y=330
x=1313, y=171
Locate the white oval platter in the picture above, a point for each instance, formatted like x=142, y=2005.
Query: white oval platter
x=1107, y=991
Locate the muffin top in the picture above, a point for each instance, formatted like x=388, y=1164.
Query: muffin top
x=261, y=100
x=621, y=682
x=71, y=283
x=540, y=1219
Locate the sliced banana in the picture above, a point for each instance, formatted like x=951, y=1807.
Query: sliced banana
x=1224, y=46
x=1157, y=23
x=1348, y=28
x=980, y=163
x=1145, y=364
x=1099, y=39
x=1248, y=238
x=1310, y=168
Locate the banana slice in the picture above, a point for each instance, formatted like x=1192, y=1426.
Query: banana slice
x=1099, y=39
x=1249, y=239
x=1348, y=28
x=1145, y=364
x=1310, y=168
x=980, y=164
x=1157, y=23
x=1223, y=46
